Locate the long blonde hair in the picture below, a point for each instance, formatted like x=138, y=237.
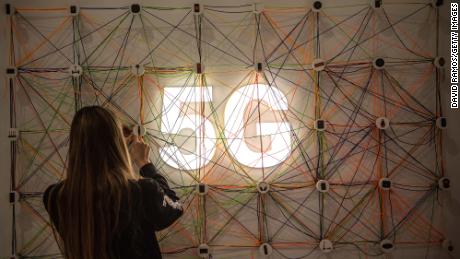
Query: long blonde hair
x=97, y=181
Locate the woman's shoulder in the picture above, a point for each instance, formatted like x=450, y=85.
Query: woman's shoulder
x=146, y=187
x=50, y=193
x=52, y=188
x=144, y=183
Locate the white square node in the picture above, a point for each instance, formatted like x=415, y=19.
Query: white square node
x=9, y=9
x=441, y=123
x=13, y=134
x=11, y=72
x=14, y=197
x=203, y=251
x=326, y=246
x=318, y=65
x=376, y=4
x=138, y=70
x=197, y=9
x=75, y=70
x=202, y=189
x=74, y=10
x=319, y=125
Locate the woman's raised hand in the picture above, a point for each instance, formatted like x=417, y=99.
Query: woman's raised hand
x=138, y=150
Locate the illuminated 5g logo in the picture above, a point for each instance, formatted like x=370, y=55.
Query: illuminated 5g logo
x=205, y=136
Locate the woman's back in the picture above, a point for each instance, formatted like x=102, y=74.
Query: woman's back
x=101, y=210
x=150, y=206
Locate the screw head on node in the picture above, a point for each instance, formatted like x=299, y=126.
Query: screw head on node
x=316, y=7
x=444, y=183
x=447, y=244
x=387, y=246
x=199, y=68
x=318, y=65
x=376, y=4
x=137, y=70
x=441, y=123
x=259, y=67
x=322, y=186
x=135, y=9
x=263, y=187
x=379, y=63
x=385, y=184
x=382, y=123
x=439, y=62
x=437, y=3
x=75, y=70
x=265, y=249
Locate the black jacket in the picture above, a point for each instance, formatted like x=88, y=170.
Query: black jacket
x=153, y=206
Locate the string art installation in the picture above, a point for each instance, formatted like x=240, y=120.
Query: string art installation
x=288, y=131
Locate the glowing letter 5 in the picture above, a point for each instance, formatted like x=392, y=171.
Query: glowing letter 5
x=173, y=121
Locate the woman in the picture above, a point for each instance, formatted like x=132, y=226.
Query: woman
x=102, y=210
